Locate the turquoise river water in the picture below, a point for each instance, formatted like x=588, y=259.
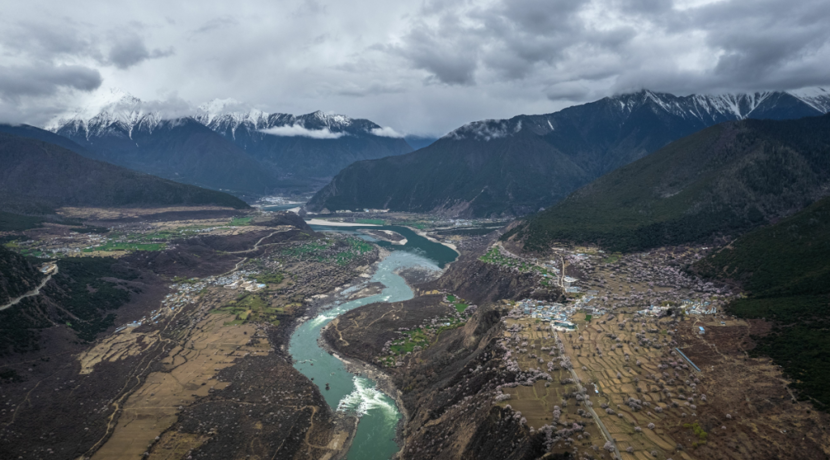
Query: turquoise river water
x=375, y=437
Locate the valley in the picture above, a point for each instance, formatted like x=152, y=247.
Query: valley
x=509, y=354
x=624, y=371
x=673, y=308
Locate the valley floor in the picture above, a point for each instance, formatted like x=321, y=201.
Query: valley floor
x=580, y=354
x=629, y=373
x=196, y=363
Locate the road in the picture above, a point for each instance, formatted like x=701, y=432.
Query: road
x=31, y=293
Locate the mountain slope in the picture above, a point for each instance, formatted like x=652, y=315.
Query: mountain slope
x=183, y=150
x=309, y=146
x=17, y=275
x=462, y=178
x=46, y=136
x=722, y=180
x=223, y=145
x=786, y=270
x=595, y=139
x=38, y=176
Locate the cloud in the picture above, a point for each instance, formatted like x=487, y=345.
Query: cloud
x=385, y=132
x=131, y=50
x=216, y=24
x=423, y=67
x=301, y=131
x=43, y=80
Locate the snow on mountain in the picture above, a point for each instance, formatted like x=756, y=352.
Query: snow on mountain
x=818, y=98
x=486, y=130
x=701, y=109
x=115, y=111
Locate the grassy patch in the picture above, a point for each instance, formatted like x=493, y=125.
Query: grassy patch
x=495, y=257
x=419, y=338
x=699, y=432
x=240, y=221
x=127, y=246
x=249, y=307
x=612, y=258
x=340, y=252
x=270, y=278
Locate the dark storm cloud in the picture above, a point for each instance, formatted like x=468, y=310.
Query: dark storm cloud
x=131, y=50
x=447, y=62
x=670, y=46
x=44, y=80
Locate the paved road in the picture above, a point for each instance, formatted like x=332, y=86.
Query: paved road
x=31, y=293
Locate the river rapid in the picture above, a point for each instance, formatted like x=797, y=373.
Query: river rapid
x=355, y=394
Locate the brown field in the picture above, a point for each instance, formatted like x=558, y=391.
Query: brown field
x=736, y=407
x=536, y=403
x=188, y=372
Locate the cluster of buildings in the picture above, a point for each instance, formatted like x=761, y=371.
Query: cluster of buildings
x=545, y=311
x=237, y=280
x=653, y=310
x=699, y=308
x=183, y=294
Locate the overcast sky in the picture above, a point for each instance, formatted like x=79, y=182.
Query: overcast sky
x=420, y=67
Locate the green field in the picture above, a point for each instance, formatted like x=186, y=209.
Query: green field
x=240, y=221
x=253, y=308
x=494, y=256
x=459, y=304
x=419, y=337
x=423, y=337
x=270, y=278
x=127, y=246
x=340, y=252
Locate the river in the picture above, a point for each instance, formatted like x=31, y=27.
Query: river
x=379, y=416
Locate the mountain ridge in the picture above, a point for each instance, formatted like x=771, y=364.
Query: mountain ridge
x=596, y=138
x=38, y=177
x=723, y=180
x=270, y=150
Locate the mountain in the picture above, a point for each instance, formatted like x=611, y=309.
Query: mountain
x=38, y=176
x=519, y=165
x=46, y=136
x=223, y=145
x=309, y=147
x=785, y=271
x=723, y=180
x=182, y=149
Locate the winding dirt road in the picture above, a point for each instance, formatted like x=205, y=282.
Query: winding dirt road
x=31, y=293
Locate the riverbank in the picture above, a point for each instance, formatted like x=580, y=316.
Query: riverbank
x=330, y=223
x=383, y=382
x=423, y=234
x=385, y=235
x=345, y=425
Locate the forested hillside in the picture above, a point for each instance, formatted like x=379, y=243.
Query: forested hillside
x=721, y=181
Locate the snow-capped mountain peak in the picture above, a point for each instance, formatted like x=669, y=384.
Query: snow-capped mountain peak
x=697, y=109
x=116, y=110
